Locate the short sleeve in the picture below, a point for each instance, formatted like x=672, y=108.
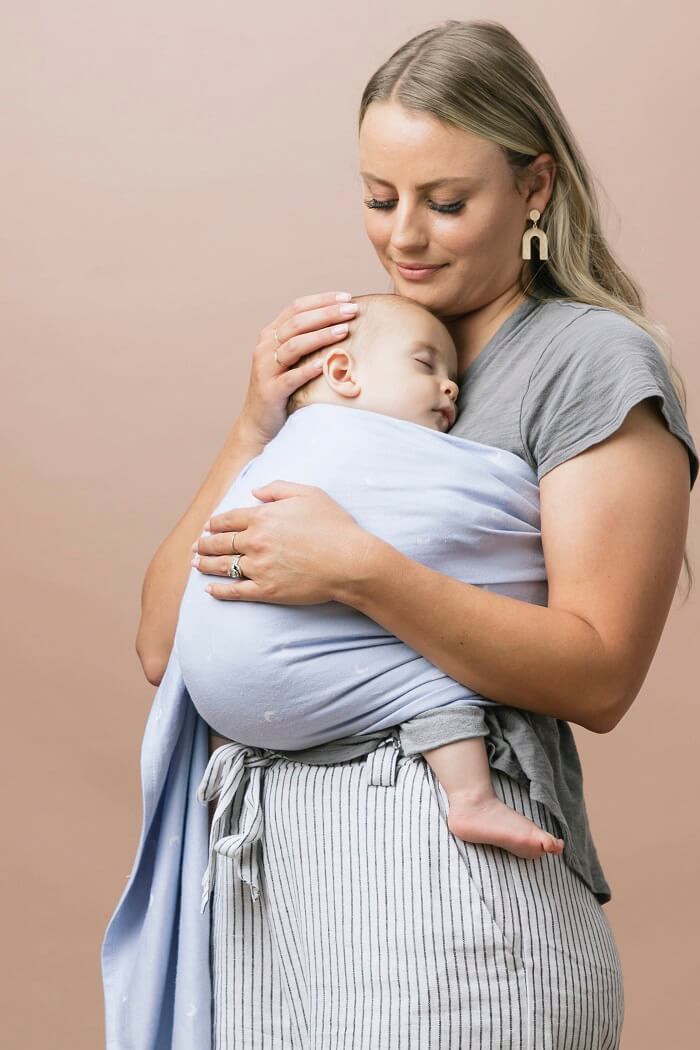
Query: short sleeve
x=585, y=382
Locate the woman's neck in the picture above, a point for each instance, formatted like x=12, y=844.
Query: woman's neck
x=473, y=330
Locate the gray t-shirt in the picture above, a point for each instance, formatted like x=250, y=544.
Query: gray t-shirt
x=557, y=377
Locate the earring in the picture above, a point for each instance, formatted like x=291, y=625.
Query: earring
x=541, y=236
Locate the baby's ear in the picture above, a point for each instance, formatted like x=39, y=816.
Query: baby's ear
x=340, y=370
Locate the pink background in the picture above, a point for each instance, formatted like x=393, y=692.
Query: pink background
x=173, y=175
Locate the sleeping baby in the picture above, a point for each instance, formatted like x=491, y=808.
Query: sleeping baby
x=372, y=431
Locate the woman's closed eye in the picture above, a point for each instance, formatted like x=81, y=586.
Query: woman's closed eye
x=456, y=206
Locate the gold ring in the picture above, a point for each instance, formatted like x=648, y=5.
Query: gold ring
x=233, y=544
x=277, y=338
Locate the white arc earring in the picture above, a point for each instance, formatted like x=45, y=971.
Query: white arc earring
x=541, y=236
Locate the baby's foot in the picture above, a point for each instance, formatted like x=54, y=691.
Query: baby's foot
x=489, y=820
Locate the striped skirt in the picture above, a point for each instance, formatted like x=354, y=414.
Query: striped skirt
x=345, y=915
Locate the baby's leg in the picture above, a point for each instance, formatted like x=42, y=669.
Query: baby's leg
x=476, y=814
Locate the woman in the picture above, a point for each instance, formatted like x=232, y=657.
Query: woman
x=375, y=925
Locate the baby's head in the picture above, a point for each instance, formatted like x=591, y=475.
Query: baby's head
x=398, y=359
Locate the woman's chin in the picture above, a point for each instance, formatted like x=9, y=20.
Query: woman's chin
x=431, y=298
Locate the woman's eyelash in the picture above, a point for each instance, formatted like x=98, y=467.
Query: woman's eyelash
x=372, y=202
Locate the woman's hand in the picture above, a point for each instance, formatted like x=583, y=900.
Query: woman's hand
x=308, y=324
x=304, y=327
x=299, y=547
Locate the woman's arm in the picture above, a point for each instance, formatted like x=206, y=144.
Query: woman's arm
x=614, y=522
x=169, y=568
x=309, y=324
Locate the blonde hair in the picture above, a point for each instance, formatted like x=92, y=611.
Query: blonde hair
x=477, y=76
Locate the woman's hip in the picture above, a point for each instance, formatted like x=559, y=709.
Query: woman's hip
x=369, y=898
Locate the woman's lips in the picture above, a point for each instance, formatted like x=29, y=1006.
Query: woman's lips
x=417, y=274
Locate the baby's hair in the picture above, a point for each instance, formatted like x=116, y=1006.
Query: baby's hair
x=368, y=319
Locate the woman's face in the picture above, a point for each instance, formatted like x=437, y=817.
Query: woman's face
x=470, y=226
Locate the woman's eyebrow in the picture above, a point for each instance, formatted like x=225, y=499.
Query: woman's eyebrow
x=423, y=185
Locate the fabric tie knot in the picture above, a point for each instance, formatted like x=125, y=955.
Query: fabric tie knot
x=231, y=769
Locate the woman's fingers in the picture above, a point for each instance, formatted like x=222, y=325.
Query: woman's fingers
x=300, y=547
x=304, y=327
x=216, y=566
x=220, y=543
x=234, y=520
x=247, y=590
x=221, y=530
x=308, y=329
x=311, y=367
x=230, y=526
x=311, y=302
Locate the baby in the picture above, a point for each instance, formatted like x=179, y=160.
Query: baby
x=412, y=375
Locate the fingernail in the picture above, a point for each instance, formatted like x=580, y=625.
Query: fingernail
x=195, y=561
x=338, y=329
x=342, y=297
x=349, y=308
x=205, y=527
x=195, y=545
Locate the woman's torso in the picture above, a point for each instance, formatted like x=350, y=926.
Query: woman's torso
x=556, y=378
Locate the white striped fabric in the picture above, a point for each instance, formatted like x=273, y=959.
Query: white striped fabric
x=376, y=928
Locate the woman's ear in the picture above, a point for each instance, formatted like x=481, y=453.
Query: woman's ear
x=541, y=175
x=340, y=370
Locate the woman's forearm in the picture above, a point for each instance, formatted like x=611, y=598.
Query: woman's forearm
x=529, y=656
x=169, y=568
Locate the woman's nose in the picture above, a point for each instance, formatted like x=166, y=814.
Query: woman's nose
x=406, y=232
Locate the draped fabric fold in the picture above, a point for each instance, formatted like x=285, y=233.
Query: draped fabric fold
x=155, y=958
x=155, y=950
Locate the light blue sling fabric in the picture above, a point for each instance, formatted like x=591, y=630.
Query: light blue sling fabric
x=155, y=954
x=155, y=951
x=481, y=524
x=298, y=676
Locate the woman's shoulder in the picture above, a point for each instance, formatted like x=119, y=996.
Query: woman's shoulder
x=569, y=322
x=593, y=364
